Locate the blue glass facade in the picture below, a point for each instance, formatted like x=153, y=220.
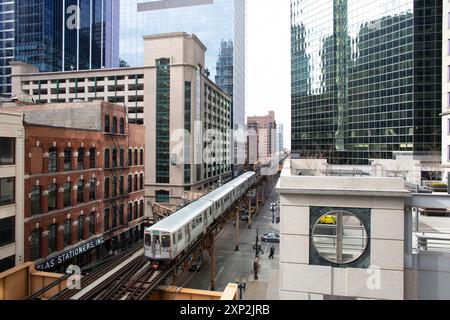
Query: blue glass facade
x=366, y=78
x=6, y=45
x=49, y=37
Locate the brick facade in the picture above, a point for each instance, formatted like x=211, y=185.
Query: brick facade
x=40, y=140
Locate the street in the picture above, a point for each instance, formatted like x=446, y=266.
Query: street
x=232, y=264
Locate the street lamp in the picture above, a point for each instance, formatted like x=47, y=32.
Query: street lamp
x=242, y=285
x=273, y=208
x=257, y=249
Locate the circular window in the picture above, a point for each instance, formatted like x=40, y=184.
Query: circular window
x=340, y=237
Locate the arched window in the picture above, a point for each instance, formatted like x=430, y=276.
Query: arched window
x=92, y=156
x=114, y=158
x=52, y=197
x=36, y=200
x=106, y=123
x=141, y=157
x=114, y=124
x=122, y=126
x=114, y=218
x=106, y=219
x=135, y=157
x=135, y=182
x=136, y=210
x=80, y=191
x=35, y=244
x=52, y=160
x=130, y=213
x=121, y=185
x=67, y=159
x=141, y=208
x=67, y=194
x=93, y=189
x=130, y=183
x=122, y=158
x=130, y=157
x=114, y=186
x=121, y=213
x=67, y=233
x=80, y=159
x=80, y=233
x=52, y=238
x=107, y=156
x=141, y=181
x=92, y=224
x=106, y=186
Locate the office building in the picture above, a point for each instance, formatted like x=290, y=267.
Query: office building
x=11, y=189
x=280, y=137
x=446, y=90
x=84, y=177
x=6, y=46
x=58, y=35
x=265, y=129
x=366, y=79
x=188, y=100
x=67, y=34
x=220, y=24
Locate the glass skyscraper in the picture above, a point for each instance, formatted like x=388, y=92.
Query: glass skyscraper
x=6, y=45
x=366, y=78
x=219, y=24
x=64, y=35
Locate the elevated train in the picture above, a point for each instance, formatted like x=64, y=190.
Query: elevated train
x=168, y=239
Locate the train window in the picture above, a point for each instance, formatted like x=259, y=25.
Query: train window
x=165, y=241
x=180, y=235
x=210, y=212
x=174, y=240
x=148, y=239
x=194, y=224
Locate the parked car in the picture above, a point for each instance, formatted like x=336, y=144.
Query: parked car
x=244, y=217
x=270, y=237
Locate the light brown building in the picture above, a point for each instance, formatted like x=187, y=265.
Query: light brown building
x=84, y=182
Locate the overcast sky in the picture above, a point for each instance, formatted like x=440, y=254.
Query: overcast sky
x=269, y=61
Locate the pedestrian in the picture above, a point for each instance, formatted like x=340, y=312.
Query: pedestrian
x=272, y=252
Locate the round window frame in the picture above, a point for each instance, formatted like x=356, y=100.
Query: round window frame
x=327, y=259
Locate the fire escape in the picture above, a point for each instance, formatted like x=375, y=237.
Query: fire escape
x=121, y=140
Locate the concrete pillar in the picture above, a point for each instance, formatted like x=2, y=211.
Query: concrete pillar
x=257, y=199
x=212, y=256
x=237, y=240
x=249, y=212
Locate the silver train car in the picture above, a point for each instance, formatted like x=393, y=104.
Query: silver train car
x=170, y=237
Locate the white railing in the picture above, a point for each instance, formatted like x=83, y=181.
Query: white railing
x=433, y=242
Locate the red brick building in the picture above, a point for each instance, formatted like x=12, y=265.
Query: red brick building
x=84, y=183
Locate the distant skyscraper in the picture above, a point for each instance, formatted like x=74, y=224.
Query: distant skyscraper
x=65, y=35
x=224, y=69
x=280, y=137
x=219, y=24
x=6, y=45
x=366, y=78
x=265, y=129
